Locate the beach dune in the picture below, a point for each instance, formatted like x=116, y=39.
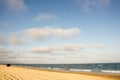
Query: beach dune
x=21, y=73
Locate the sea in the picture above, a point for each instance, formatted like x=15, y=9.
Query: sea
x=95, y=67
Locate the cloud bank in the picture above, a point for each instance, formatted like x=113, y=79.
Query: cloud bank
x=2, y=51
x=7, y=56
x=39, y=34
x=62, y=47
x=15, y=41
x=1, y=39
x=46, y=33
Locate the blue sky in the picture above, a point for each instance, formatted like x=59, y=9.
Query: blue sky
x=59, y=31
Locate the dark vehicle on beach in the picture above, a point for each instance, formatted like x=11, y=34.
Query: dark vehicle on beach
x=8, y=65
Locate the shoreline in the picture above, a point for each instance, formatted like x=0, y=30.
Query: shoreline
x=116, y=75
x=65, y=70
x=58, y=73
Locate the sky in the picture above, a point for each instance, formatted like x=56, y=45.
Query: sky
x=59, y=31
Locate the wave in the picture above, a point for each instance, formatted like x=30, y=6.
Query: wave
x=85, y=70
x=102, y=71
x=110, y=71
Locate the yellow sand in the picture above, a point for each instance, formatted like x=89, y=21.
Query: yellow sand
x=21, y=73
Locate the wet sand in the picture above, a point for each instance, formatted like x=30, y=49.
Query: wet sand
x=21, y=73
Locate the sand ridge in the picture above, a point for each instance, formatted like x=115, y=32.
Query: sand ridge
x=20, y=73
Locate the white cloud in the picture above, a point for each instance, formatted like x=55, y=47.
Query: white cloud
x=49, y=49
x=15, y=41
x=97, y=46
x=1, y=40
x=37, y=33
x=44, y=16
x=2, y=51
x=88, y=4
x=110, y=57
x=64, y=33
x=45, y=33
x=71, y=47
x=16, y=5
x=41, y=50
x=7, y=56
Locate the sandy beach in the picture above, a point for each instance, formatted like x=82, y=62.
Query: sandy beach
x=21, y=73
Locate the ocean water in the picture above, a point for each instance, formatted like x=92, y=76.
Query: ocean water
x=101, y=67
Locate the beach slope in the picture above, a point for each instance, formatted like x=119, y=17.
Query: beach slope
x=21, y=73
